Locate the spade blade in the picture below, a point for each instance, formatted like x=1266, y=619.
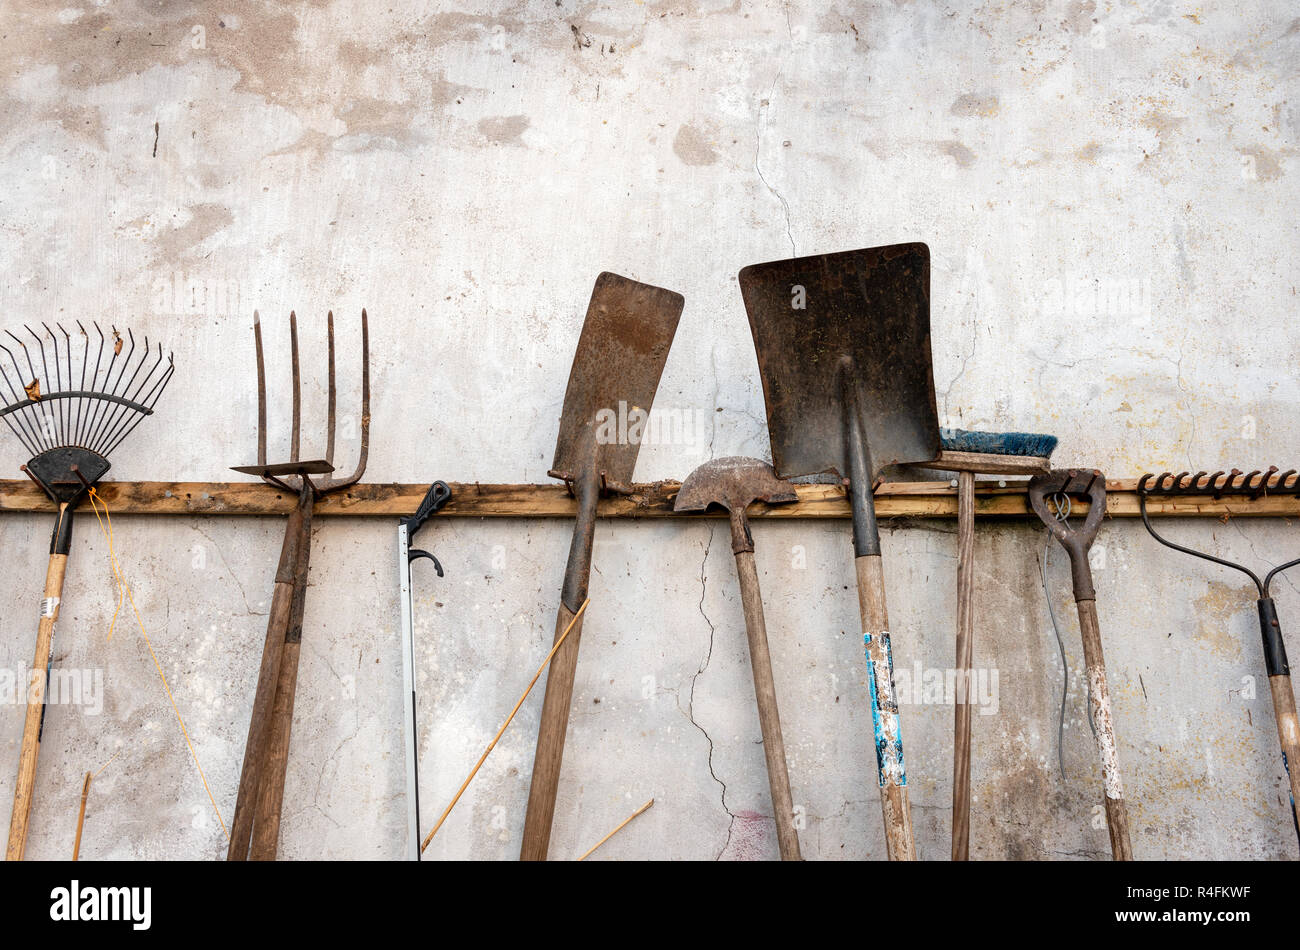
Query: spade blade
x=616, y=369
x=856, y=318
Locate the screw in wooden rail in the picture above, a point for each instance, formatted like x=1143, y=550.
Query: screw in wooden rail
x=255, y=830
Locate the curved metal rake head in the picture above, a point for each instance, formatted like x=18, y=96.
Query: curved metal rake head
x=1218, y=484
x=295, y=474
x=71, y=408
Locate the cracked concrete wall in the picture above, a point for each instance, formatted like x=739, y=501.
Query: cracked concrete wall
x=1106, y=191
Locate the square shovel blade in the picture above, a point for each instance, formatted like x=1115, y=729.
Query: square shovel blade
x=856, y=319
x=616, y=369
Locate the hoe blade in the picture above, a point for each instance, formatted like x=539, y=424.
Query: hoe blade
x=853, y=319
x=616, y=369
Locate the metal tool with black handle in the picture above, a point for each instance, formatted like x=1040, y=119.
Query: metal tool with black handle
x=438, y=495
x=1089, y=484
x=1251, y=485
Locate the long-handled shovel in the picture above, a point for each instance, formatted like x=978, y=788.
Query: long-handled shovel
x=735, y=484
x=1076, y=541
x=843, y=344
x=620, y=356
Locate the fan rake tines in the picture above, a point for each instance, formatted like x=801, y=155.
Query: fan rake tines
x=93, y=406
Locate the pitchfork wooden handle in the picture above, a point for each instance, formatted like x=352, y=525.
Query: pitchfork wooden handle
x=1099, y=693
x=277, y=625
x=884, y=713
x=25, y=786
x=769, y=719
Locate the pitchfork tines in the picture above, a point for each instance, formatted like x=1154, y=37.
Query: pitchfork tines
x=296, y=473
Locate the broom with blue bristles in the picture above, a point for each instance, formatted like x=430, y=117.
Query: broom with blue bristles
x=968, y=454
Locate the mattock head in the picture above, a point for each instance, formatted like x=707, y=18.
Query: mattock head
x=734, y=483
x=295, y=474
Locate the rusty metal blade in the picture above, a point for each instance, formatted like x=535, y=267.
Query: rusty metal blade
x=856, y=318
x=616, y=369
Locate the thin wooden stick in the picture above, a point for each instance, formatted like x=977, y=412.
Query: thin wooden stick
x=492, y=744
x=81, y=817
x=644, y=808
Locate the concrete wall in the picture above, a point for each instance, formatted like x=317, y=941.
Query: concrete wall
x=464, y=173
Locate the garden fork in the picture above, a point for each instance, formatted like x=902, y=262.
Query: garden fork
x=255, y=831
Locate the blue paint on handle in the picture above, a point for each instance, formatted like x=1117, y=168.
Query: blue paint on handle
x=890, y=767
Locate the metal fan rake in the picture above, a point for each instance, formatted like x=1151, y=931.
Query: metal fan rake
x=70, y=409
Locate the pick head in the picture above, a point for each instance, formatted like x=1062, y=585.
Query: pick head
x=735, y=483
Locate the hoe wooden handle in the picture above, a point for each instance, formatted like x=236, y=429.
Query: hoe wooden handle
x=884, y=712
x=769, y=719
x=1288, y=732
x=25, y=786
x=965, y=655
x=1116, y=811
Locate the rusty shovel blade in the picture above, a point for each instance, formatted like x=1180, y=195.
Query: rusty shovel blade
x=616, y=369
x=834, y=329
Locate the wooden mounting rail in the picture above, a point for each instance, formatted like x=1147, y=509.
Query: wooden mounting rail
x=655, y=500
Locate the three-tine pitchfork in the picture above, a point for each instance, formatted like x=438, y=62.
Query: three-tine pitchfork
x=255, y=831
x=71, y=425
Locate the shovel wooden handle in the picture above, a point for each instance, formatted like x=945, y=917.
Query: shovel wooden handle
x=25, y=786
x=550, y=740
x=769, y=719
x=1116, y=811
x=965, y=656
x=884, y=710
x=1288, y=733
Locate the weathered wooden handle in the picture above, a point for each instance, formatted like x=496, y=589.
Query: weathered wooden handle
x=769, y=719
x=965, y=655
x=550, y=740
x=270, y=795
x=1116, y=811
x=884, y=710
x=1288, y=733
x=297, y=536
x=25, y=785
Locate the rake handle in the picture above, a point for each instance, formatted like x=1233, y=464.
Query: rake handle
x=1288, y=733
x=1116, y=811
x=33, y=724
x=769, y=720
x=894, y=805
x=965, y=656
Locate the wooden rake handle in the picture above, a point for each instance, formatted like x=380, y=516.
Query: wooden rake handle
x=1288, y=733
x=769, y=720
x=25, y=785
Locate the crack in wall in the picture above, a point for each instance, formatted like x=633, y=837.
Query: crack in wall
x=690, y=703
